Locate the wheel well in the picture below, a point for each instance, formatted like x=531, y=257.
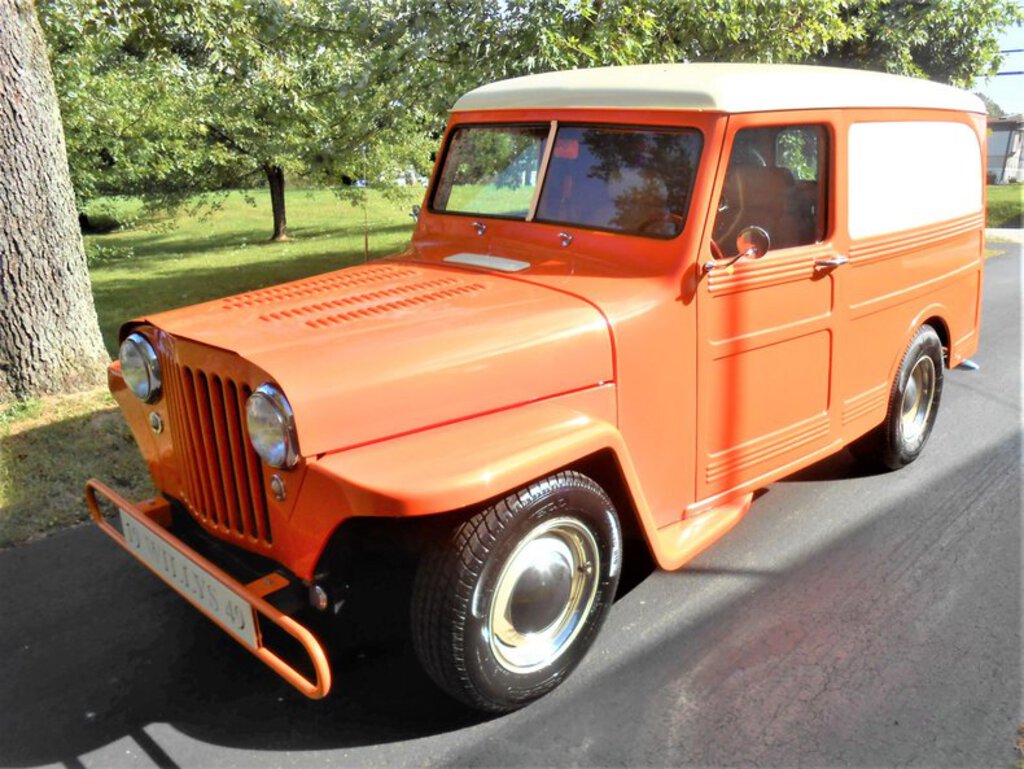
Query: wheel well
x=370, y=544
x=943, y=331
x=604, y=468
x=637, y=558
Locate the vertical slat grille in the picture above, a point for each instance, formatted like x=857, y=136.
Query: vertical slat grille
x=221, y=472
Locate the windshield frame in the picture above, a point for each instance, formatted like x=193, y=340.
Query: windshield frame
x=555, y=126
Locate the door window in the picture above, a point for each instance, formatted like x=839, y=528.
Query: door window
x=776, y=179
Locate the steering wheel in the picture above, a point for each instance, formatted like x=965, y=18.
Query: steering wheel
x=716, y=252
x=662, y=218
x=730, y=210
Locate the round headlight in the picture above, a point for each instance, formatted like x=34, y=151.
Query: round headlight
x=272, y=426
x=140, y=367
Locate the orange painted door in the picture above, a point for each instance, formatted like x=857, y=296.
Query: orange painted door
x=766, y=327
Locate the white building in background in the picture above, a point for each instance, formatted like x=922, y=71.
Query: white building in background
x=1006, y=150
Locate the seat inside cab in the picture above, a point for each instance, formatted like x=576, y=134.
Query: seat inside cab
x=775, y=180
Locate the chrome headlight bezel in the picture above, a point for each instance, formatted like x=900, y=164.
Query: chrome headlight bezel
x=149, y=386
x=283, y=451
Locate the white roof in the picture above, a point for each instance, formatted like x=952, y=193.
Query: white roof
x=717, y=88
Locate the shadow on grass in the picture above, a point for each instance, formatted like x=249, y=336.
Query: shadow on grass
x=45, y=469
x=170, y=245
x=121, y=299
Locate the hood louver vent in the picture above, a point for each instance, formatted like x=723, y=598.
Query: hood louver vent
x=373, y=303
x=399, y=304
x=354, y=278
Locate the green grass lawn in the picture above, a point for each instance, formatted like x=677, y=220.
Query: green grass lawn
x=49, y=447
x=1005, y=205
x=189, y=259
x=491, y=199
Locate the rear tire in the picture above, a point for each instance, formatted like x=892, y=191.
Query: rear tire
x=508, y=604
x=913, y=405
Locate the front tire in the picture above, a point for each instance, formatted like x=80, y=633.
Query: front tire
x=913, y=405
x=507, y=605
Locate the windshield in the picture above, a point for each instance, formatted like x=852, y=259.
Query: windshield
x=491, y=171
x=631, y=180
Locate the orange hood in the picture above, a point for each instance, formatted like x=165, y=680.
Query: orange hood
x=367, y=353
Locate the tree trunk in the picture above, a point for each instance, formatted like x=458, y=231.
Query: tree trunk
x=49, y=335
x=275, y=180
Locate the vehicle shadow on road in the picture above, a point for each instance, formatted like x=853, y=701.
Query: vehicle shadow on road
x=843, y=465
x=96, y=648
x=99, y=648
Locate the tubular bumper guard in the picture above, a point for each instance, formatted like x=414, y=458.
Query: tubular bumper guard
x=149, y=515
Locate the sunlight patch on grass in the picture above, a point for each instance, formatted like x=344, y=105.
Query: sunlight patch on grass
x=1005, y=206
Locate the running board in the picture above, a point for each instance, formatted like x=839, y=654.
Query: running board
x=679, y=542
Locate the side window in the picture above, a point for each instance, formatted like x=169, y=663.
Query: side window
x=894, y=185
x=776, y=179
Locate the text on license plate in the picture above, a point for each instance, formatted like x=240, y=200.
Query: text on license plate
x=191, y=580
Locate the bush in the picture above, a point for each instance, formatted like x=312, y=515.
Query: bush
x=1005, y=206
x=97, y=224
x=95, y=253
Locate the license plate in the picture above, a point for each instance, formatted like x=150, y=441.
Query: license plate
x=229, y=609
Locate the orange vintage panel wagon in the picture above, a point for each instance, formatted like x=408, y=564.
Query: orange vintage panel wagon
x=633, y=296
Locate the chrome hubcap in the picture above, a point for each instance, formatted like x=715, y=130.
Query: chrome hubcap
x=543, y=595
x=918, y=396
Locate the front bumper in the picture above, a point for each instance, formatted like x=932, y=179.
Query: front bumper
x=237, y=608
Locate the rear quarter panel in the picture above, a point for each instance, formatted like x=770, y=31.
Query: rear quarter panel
x=901, y=278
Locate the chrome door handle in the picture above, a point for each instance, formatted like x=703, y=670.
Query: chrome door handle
x=830, y=262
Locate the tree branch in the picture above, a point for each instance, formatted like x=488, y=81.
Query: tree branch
x=220, y=136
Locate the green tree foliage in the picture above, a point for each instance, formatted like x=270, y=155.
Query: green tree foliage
x=951, y=41
x=993, y=109
x=125, y=113
x=445, y=48
x=167, y=96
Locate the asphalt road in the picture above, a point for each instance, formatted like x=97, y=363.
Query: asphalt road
x=849, y=620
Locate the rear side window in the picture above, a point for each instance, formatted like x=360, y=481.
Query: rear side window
x=776, y=179
x=911, y=174
x=636, y=181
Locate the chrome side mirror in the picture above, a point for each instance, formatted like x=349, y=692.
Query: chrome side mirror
x=754, y=242
x=414, y=212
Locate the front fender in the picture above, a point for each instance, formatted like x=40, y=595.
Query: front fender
x=469, y=462
x=456, y=466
